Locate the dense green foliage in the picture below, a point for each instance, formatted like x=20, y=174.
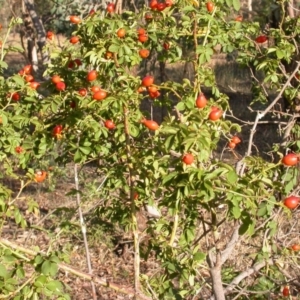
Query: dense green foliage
x=197, y=201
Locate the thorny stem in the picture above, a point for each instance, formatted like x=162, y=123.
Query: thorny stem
x=195, y=35
x=133, y=207
x=83, y=229
x=265, y=170
x=163, y=87
x=209, y=26
x=196, y=61
x=5, y=39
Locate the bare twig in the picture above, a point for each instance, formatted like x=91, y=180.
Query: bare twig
x=131, y=183
x=231, y=244
x=255, y=268
x=262, y=114
x=282, y=90
x=83, y=229
x=287, y=131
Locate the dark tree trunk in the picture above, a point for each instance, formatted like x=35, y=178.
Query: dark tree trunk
x=39, y=28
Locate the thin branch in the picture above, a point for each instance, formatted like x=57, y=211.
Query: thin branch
x=249, y=123
x=231, y=244
x=282, y=90
x=262, y=114
x=131, y=184
x=287, y=131
x=83, y=229
x=255, y=268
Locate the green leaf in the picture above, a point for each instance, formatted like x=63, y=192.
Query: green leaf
x=46, y=267
x=169, y=129
x=199, y=256
x=77, y=157
x=20, y=273
x=262, y=211
x=188, y=9
x=246, y=222
x=54, y=106
x=251, y=229
x=127, y=50
x=85, y=150
x=40, y=281
x=133, y=130
x=189, y=234
x=180, y=106
x=232, y=177
x=113, y=48
x=274, y=78
x=49, y=268
x=19, y=80
x=3, y=64
x=3, y=271
x=16, y=48
x=171, y=267
x=169, y=177
x=18, y=216
x=280, y=54
x=236, y=4
x=262, y=65
x=192, y=280
x=55, y=286
x=54, y=259
x=4, y=119
x=236, y=212
x=38, y=259
x=270, y=50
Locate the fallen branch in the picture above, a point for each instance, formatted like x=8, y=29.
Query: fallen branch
x=124, y=290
